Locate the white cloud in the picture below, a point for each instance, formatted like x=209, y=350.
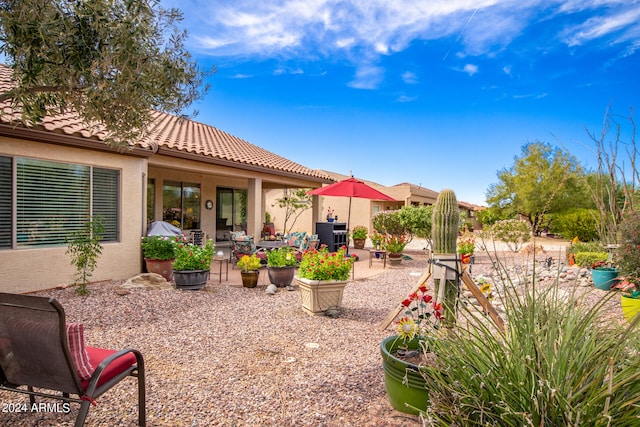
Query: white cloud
x=409, y=78
x=470, y=69
x=367, y=77
x=507, y=70
x=406, y=98
x=361, y=32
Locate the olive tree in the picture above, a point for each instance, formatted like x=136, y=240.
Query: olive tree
x=112, y=61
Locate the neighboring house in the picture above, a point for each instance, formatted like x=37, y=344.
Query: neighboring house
x=54, y=175
x=362, y=210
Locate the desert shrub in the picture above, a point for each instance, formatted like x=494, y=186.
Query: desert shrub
x=580, y=223
x=388, y=222
x=628, y=253
x=558, y=364
x=513, y=232
x=586, y=247
x=587, y=259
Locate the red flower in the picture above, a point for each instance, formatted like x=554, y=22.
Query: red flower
x=406, y=302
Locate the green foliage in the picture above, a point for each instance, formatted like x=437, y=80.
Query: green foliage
x=281, y=257
x=580, y=223
x=319, y=264
x=445, y=223
x=491, y=215
x=513, y=232
x=160, y=247
x=543, y=180
x=586, y=247
x=249, y=263
x=558, y=365
x=294, y=204
x=193, y=257
x=416, y=220
x=114, y=62
x=360, y=232
x=587, y=259
x=389, y=222
x=84, y=249
x=628, y=253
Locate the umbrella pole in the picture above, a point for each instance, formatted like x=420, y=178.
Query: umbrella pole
x=348, y=223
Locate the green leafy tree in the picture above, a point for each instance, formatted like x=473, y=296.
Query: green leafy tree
x=542, y=180
x=294, y=203
x=84, y=248
x=113, y=62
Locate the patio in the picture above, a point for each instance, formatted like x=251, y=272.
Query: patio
x=233, y=356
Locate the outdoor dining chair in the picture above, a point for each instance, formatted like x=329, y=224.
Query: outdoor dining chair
x=39, y=350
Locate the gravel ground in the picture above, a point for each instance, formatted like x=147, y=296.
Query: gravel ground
x=232, y=356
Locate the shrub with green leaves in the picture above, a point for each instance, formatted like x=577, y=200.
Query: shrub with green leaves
x=513, y=232
x=587, y=259
x=628, y=253
x=84, y=248
x=580, y=223
x=558, y=364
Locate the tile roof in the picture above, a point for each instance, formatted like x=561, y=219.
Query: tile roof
x=172, y=135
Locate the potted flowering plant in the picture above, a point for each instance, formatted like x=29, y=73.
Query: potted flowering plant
x=377, y=240
x=359, y=236
x=250, y=265
x=466, y=248
x=281, y=264
x=159, y=253
x=628, y=261
x=322, y=277
x=192, y=264
x=395, y=244
x=603, y=274
x=402, y=354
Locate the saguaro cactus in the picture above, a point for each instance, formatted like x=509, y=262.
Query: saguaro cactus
x=446, y=217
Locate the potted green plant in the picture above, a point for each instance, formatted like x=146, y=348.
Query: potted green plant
x=192, y=265
x=359, y=236
x=377, y=240
x=159, y=253
x=281, y=264
x=322, y=277
x=404, y=353
x=250, y=266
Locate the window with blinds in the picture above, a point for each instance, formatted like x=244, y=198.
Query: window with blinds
x=6, y=201
x=53, y=200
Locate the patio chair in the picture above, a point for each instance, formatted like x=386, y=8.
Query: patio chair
x=242, y=244
x=38, y=349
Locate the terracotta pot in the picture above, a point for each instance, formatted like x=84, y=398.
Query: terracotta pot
x=162, y=267
x=359, y=243
x=395, y=258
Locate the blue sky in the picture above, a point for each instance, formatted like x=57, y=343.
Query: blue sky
x=439, y=93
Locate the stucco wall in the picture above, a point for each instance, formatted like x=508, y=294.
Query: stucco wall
x=27, y=270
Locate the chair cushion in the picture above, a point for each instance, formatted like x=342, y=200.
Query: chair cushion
x=296, y=238
x=244, y=245
x=97, y=355
x=235, y=235
x=79, y=355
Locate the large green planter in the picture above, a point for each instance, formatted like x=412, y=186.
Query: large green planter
x=406, y=387
x=630, y=307
x=604, y=278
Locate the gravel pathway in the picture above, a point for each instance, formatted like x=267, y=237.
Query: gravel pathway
x=232, y=356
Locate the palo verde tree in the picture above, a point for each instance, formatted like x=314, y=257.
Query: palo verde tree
x=112, y=61
x=542, y=180
x=294, y=203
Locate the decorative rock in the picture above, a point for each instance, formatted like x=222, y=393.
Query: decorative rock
x=271, y=289
x=122, y=292
x=147, y=280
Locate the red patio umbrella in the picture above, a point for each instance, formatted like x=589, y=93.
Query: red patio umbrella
x=351, y=187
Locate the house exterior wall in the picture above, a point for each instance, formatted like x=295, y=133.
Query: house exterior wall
x=32, y=269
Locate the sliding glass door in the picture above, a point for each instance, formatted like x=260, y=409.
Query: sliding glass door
x=231, y=211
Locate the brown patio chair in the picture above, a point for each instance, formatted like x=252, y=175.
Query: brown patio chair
x=39, y=350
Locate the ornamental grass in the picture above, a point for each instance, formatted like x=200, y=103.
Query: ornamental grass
x=557, y=364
